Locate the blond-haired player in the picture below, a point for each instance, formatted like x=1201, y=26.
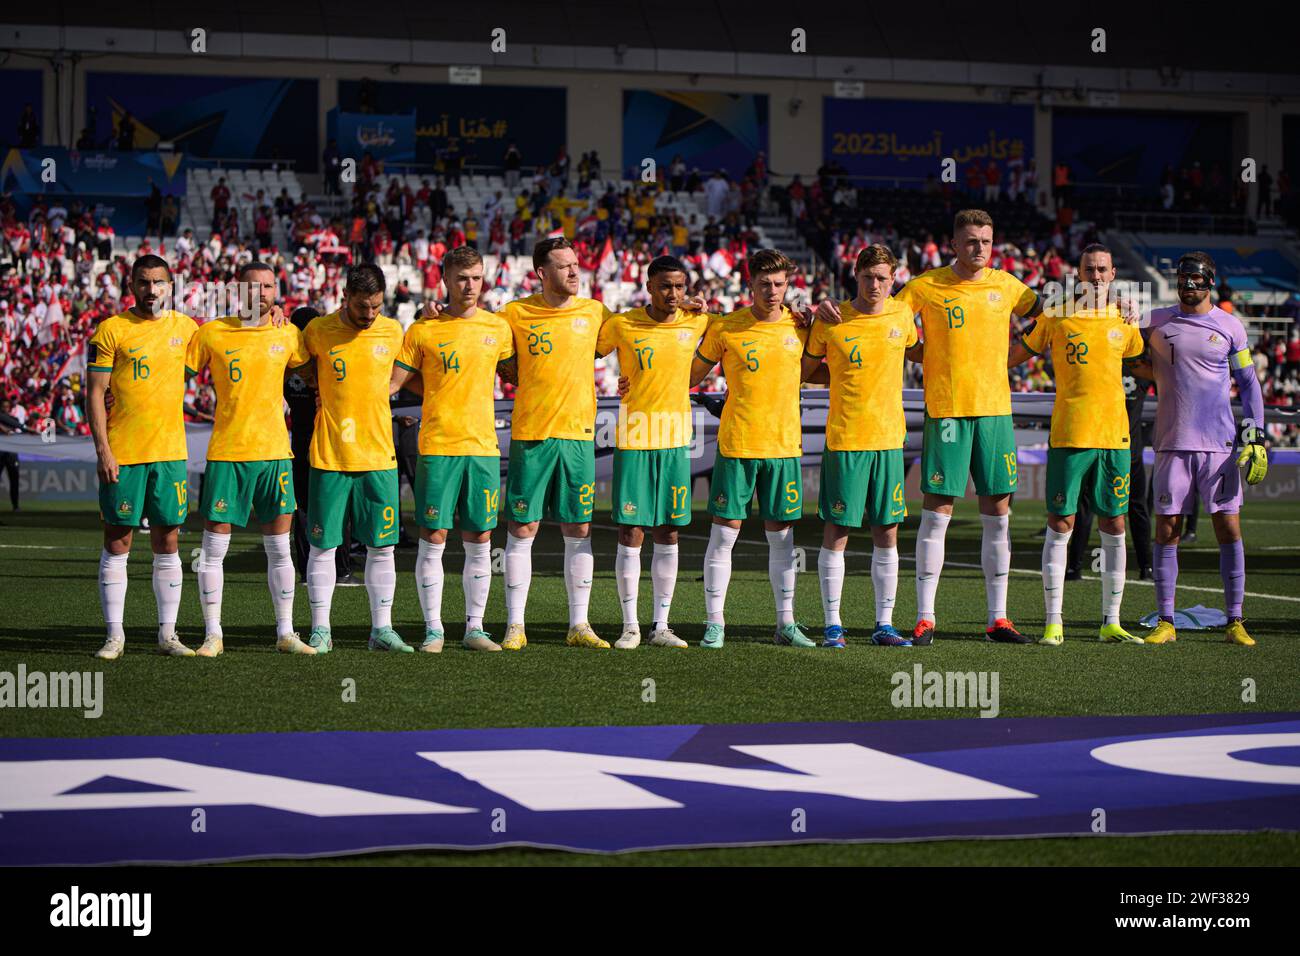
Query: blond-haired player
x=455, y=351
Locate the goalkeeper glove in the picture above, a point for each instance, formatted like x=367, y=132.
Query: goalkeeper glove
x=1256, y=457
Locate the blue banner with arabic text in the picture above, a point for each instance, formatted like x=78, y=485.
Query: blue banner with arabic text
x=390, y=137
x=909, y=139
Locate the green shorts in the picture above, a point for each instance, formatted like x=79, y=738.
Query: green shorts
x=858, y=484
x=778, y=481
x=370, y=496
x=553, y=478
x=652, y=487
x=1100, y=473
x=982, y=448
x=233, y=489
x=155, y=490
x=466, y=488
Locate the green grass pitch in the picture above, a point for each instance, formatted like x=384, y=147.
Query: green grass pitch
x=50, y=620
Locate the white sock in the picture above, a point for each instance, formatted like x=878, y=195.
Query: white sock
x=1114, y=564
x=929, y=561
x=167, y=579
x=995, y=558
x=627, y=572
x=663, y=572
x=519, y=575
x=212, y=579
x=112, y=590
x=280, y=579
x=884, y=581
x=477, y=580
x=1055, y=546
x=717, y=571
x=579, y=565
x=381, y=583
x=429, y=579
x=320, y=584
x=830, y=572
x=780, y=571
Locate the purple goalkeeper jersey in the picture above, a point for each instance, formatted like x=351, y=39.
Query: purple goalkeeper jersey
x=1191, y=355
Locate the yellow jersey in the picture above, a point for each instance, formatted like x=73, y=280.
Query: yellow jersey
x=762, y=362
x=354, y=426
x=248, y=364
x=1088, y=348
x=457, y=358
x=556, y=349
x=656, y=357
x=967, y=331
x=145, y=359
x=865, y=356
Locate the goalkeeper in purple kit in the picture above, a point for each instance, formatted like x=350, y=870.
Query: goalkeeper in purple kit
x=1197, y=350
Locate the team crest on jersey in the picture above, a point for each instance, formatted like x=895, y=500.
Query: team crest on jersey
x=381, y=351
x=431, y=513
x=177, y=340
x=277, y=348
x=895, y=333
x=720, y=501
x=936, y=478
x=124, y=508
x=580, y=324
x=684, y=335
x=317, y=532
x=837, y=509
x=1115, y=335
x=1214, y=338
x=220, y=506
x=521, y=506
x=629, y=508
x=1165, y=499
x=1058, y=498
x=790, y=342
x=489, y=340
x=995, y=297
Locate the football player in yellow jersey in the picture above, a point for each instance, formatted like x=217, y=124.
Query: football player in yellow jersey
x=1088, y=341
x=652, y=468
x=862, y=466
x=353, y=463
x=250, y=467
x=552, y=471
x=454, y=352
x=965, y=311
x=760, y=441
x=141, y=447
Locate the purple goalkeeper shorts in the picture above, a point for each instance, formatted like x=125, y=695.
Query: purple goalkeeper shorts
x=1183, y=476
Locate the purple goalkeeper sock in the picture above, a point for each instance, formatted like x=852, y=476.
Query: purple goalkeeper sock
x=1166, y=571
x=1232, y=569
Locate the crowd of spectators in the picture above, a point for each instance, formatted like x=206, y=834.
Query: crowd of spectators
x=61, y=269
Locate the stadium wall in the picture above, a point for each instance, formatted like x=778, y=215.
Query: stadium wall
x=595, y=100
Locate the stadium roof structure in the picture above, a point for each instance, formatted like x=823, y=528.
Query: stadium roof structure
x=1148, y=46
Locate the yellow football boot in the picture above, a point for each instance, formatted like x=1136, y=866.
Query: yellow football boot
x=1162, y=633
x=1237, y=635
x=514, y=639
x=581, y=635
